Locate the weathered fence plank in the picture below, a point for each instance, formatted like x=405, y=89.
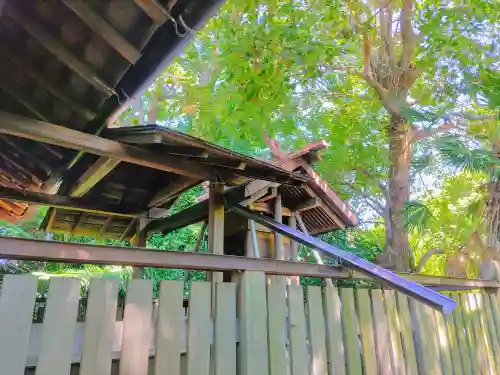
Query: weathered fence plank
x=398, y=362
x=382, y=339
x=453, y=343
x=470, y=335
x=459, y=323
x=426, y=338
x=365, y=323
x=59, y=327
x=492, y=331
x=17, y=301
x=298, y=331
x=199, y=329
x=136, y=328
x=99, y=327
x=488, y=354
x=225, y=329
x=350, y=330
x=277, y=330
x=253, y=324
x=317, y=331
x=335, y=345
x=169, y=328
x=407, y=334
x=443, y=343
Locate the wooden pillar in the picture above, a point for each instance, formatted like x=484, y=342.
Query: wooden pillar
x=294, y=250
x=139, y=241
x=279, y=252
x=216, y=225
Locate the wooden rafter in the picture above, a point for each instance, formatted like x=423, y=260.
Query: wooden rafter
x=67, y=203
x=58, y=135
x=102, y=28
x=59, y=50
x=93, y=175
x=154, y=10
x=31, y=71
x=24, y=102
x=171, y=191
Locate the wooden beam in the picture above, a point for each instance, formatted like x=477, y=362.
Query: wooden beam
x=154, y=10
x=58, y=49
x=15, y=248
x=57, y=201
x=308, y=205
x=20, y=64
x=278, y=216
x=16, y=96
x=171, y=191
x=93, y=175
x=64, y=137
x=216, y=223
x=104, y=30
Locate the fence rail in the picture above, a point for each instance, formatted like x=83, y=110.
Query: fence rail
x=281, y=330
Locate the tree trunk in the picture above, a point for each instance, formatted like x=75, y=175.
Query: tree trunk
x=397, y=255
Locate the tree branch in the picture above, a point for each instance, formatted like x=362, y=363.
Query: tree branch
x=407, y=35
x=386, y=33
x=421, y=134
x=367, y=73
x=374, y=179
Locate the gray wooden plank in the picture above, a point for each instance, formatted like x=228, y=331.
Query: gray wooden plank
x=398, y=361
x=470, y=334
x=199, y=329
x=458, y=319
x=425, y=341
x=488, y=354
x=59, y=326
x=407, y=334
x=443, y=343
x=17, y=301
x=382, y=339
x=453, y=343
x=298, y=331
x=136, y=328
x=317, y=331
x=350, y=332
x=365, y=322
x=99, y=327
x=277, y=329
x=225, y=329
x=334, y=341
x=253, y=346
x=170, y=327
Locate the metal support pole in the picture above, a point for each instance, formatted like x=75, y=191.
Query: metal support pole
x=417, y=291
x=253, y=236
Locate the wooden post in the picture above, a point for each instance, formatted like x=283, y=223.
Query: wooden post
x=279, y=252
x=216, y=225
x=139, y=240
x=294, y=249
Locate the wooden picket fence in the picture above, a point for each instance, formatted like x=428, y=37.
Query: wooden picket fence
x=257, y=328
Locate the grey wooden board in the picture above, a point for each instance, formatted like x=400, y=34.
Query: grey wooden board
x=225, y=329
x=465, y=357
x=476, y=331
x=169, y=328
x=199, y=332
x=365, y=322
x=382, y=339
x=99, y=327
x=484, y=331
x=494, y=324
x=317, y=331
x=335, y=344
x=469, y=334
x=398, y=361
x=277, y=329
x=298, y=331
x=407, y=334
x=17, y=301
x=454, y=347
x=429, y=362
x=59, y=327
x=443, y=343
x=253, y=324
x=136, y=328
x=350, y=332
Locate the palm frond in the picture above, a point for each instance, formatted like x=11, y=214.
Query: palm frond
x=417, y=216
